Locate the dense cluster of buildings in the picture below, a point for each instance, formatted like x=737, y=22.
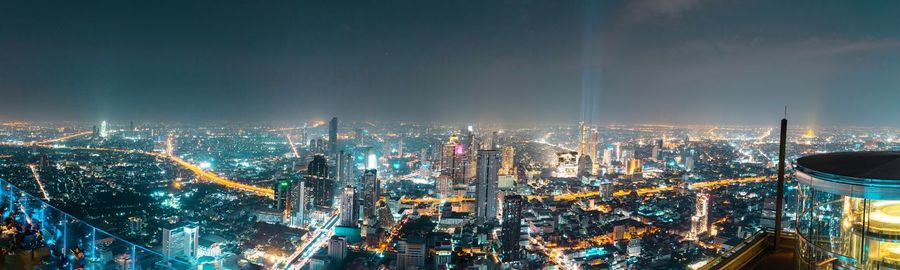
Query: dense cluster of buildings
x=406, y=196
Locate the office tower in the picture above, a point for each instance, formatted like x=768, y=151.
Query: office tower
x=371, y=192
x=343, y=169
x=654, y=154
x=511, y=228
x=337, y=249
x=349, y=207
x=282, y=188
x=583, y=146
x=486, y=185
x=607, y=157
x=700, y=219
x=452, y=160
x=318, y=167
x=606, y=190
x=592, y=151
x=689, y=161
x=506, y=163
x=400, y=147
x=104, y=130
x=618, y=149
x=658, y=150
x=585, y=166
x=317, y=178
x=299, y=203
x=332, y=135
x=633, y=167
x=411, y=253
x=444, y=183
x=371, y=159
x=181, y=240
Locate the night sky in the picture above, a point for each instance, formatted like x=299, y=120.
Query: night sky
x=656, y=61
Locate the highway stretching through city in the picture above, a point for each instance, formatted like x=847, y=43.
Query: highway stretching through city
x=301, y=257
x=580, y=195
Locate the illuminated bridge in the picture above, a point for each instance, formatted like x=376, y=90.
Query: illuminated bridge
x=60, y=241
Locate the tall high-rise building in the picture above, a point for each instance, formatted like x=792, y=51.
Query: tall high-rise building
x=371, y=159
x=511, y=228
x=318, y=167
x=282, y=188
x=583, y=146
x=592, y=150
x=337, y=249
x=299, y=203
x=181, y=240
x=447, y=156
x=332, y=135
x=411, y=253
x=453, y=159
x=342, y=173
x=506, y=163
x=607, y=157
x=606, y=190
x=104, y=130
x=322, y=186
x=443, y=186
x=486, y=185
x=371, y=192
x=349, y=207
x=700, y=219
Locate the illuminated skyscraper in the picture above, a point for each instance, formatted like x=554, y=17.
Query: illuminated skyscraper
x=371, y=159
x=511, y=228
x=104, y=130
x=322, y=186
x=443, y=185
x=349, y=210
x=486, y=185
x=337, y=249
x=332, y=135
x=299, y=203
x=318, y=167
x=282, y=188
x=371, y=192
x=448, y=155
x=181, y=240
x=700, y=219
x=506, y=164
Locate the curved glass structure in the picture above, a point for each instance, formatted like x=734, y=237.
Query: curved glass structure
x=47, y=238
x=849, y=211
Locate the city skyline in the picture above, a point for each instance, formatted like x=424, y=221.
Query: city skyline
x=654, y=62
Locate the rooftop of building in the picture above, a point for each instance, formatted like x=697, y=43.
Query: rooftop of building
x=884, y=165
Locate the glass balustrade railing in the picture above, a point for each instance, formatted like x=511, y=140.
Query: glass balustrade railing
x=37, y=235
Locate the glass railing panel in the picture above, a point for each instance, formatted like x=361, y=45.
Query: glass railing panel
x=60, y=241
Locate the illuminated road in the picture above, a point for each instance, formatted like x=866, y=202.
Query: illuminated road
x=201, y=174
x=37, y=178
x=291, y=143
x=212, y=177
x=63, y=138
x=620, y=193
x=308, y=249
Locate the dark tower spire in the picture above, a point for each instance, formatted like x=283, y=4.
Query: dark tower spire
x=779, y=199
